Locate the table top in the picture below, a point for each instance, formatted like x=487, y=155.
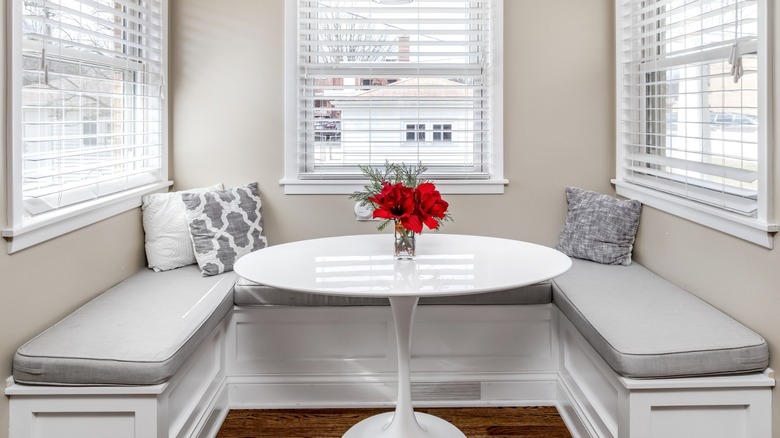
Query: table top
x=364, y=266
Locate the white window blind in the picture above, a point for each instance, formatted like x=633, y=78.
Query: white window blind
x=91, y=109
x=691, y=115
x=375, y=78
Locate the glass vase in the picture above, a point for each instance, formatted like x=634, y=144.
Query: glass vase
x=404, y=243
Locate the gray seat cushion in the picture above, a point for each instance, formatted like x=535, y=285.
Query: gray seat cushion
x=248, y=293
x=139, y=332
x=643, y=326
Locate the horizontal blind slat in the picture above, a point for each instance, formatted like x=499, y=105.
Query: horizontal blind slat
x=89, y=167
x=734, y=173
x=151, y=18
x=692, y=181
x=87, y=54
x=152, y=28
x=736, y=204
x=98, y=38
x=69, y=187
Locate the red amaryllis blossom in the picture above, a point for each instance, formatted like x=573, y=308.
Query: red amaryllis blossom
x=430, y=205
x=397, y=202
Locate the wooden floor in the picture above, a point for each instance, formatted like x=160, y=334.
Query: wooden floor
x=537, y=422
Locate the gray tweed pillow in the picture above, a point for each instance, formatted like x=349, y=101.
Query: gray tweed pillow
x=224, y=225
x=599, y=227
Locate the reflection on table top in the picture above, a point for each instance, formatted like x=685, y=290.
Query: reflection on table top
x=363, y=265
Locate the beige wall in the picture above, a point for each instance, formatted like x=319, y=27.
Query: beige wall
x=226, y=94
x=228, y=104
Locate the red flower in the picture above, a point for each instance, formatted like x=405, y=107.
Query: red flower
x=397, y=202
x=430, y=206
x=410, y=208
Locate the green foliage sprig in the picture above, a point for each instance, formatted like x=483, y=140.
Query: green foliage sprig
x=392, y=173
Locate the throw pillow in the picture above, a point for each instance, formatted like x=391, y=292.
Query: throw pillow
x=599, y=227
x=224, y=225
x=166, y=231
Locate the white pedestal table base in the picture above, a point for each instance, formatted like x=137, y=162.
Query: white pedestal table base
x=404, y=422
x=425, y=426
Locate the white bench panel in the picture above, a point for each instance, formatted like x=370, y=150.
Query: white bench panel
x=591, y=382
x=310, y=340
x=192, y=390
x=712, y=413
x=361, y=340
x=84, y=417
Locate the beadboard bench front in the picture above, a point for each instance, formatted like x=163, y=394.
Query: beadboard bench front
x=267, y=355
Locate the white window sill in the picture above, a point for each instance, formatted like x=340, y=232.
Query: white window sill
x=347, y=187
x=50, y=225
x=746, y=228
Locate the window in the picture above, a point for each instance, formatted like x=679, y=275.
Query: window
x=415, y=132
x=692, y=111
x=385, y=72
x=87, y=112
x=442, y=132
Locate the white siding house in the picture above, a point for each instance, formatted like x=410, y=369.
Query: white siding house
x=422, y=119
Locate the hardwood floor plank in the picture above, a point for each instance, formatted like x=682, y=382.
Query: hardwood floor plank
x=522, y=422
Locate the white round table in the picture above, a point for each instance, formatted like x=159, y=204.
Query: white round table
x=364, y=266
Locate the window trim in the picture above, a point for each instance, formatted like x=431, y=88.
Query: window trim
x=65, y=220
x=21, y=234
x=759, y=230
x=294, y=185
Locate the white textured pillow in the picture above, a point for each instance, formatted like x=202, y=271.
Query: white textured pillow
x=168, y=242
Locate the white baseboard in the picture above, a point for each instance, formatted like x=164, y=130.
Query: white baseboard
x=380, y=391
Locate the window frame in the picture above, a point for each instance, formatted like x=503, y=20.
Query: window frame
x=20, y=232
x=294, y=185
x=759, y=230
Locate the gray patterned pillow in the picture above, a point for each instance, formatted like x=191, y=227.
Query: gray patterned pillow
x=599, y=227
x=224, y=225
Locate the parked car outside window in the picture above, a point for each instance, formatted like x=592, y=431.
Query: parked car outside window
x=732, y=119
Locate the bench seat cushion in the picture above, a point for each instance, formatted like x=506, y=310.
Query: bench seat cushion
x=644, y=327
x=139, y=332
x=248, y=293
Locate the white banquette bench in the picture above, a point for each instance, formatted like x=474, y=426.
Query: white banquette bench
x=620, y=352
